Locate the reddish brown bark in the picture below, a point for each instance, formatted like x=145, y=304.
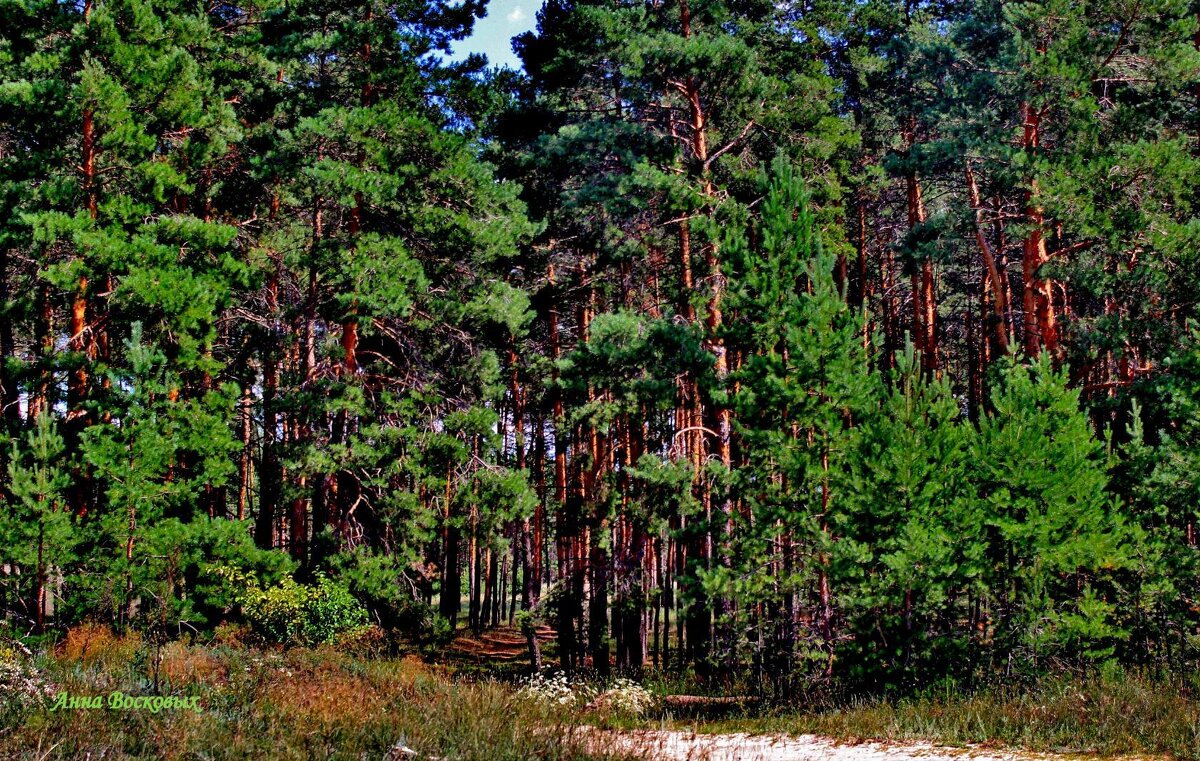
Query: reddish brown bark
x=1041, y=326
x=77, y=384
x=924, y=306
x=994, y=279
x=862, y=289
x=450, y=600
x=245, y=468
x=891, y=313
x=350, y=324
x=39, y=399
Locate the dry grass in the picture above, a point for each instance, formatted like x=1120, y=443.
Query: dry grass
x=298, y=704
x=97, y=645
x=182, y=666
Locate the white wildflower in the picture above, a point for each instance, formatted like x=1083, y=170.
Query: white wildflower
x=556, y=689
x=627, y=697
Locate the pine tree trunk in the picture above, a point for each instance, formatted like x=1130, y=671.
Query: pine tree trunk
x=1041, y=329
x=39, y=594
x=10, y=409
x=244, y=464
x=493, y=601
x=892, y=331
x=77, y=340
x=630, y=597
x=567, y=525
x=862, y=286
x=298, y=523
x=515, y=588
x=999, y=297
x=924, y=323
x=598, y=600
x=39, y=400
x=270, y=474
x=717, y=532
x=450, y=602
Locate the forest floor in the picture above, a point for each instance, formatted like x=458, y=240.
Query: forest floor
x=502, y=645
x=360, y=699
x=1124, y=717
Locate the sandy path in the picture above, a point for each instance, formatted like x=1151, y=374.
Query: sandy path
x=675, y=745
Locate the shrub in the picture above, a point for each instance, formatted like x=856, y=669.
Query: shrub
x=291, y=613
x=383, y=584
x=21, y=682
x=330, y=610
x=277, y=613
x=441, y=631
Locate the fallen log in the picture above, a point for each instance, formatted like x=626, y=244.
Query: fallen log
x=708, y=705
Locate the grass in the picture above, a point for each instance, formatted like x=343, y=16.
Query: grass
x=356, y=701
x=295, y=704
x=1119, y=715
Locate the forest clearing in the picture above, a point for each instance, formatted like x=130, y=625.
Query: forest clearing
x=719, y=376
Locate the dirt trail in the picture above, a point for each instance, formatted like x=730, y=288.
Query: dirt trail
x=677, y=745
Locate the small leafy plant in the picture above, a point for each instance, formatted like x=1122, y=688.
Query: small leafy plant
x=291, y=613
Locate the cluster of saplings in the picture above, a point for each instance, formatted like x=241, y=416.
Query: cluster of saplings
x=846, y=344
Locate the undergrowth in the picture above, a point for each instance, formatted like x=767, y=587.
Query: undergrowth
x=327, y=703
x=353, y=700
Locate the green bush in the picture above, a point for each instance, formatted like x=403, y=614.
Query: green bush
x=292, y=613
x=382, y=583
x=331, y=610
x=441, y=631
x=277, y=614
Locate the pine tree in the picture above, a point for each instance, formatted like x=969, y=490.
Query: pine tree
x=911, y=547
x=804, y=385
x=1153, y=470
x=40, y=532
x=664, y=116
x=1055, y=538
x=1081, y=135
x=126, y=250
x=621, y=383
x=385, y=240
x=148, y=492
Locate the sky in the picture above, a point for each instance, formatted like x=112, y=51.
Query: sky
x=494, y=32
